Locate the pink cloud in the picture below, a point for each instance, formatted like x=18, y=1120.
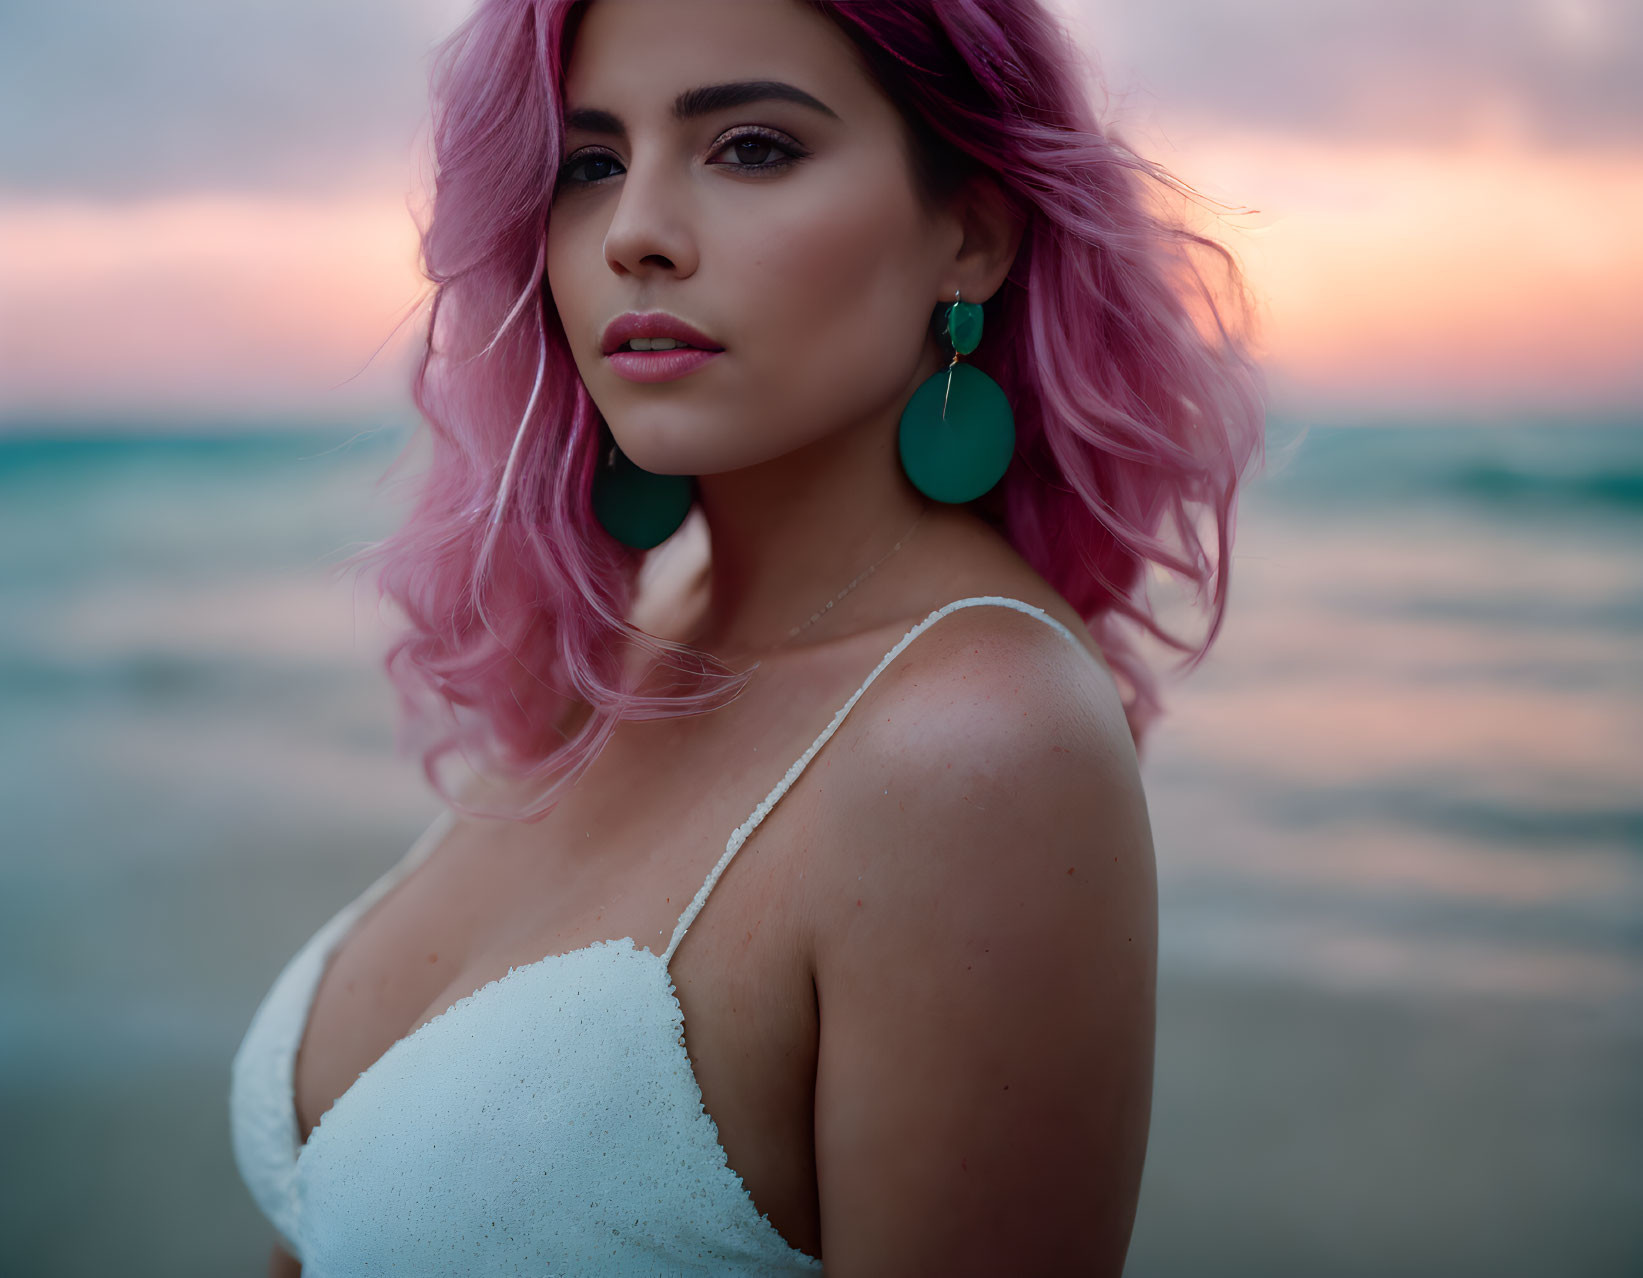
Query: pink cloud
x=204, y=302
x=1390, y=276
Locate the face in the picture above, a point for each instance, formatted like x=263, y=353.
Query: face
x=785, y=229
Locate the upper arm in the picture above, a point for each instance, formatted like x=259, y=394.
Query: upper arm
x=985, y=969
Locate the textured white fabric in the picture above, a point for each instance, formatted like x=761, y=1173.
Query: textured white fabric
x=549, y=1123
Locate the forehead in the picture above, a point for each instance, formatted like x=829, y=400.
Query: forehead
x=633, y=57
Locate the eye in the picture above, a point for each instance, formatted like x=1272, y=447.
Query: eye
x=751, y=142
x=749, y=145
x=569, y=167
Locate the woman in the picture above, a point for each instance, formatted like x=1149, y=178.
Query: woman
x=944, y=400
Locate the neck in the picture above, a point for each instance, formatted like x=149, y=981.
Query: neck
x=789, y=534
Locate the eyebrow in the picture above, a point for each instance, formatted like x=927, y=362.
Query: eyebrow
x=702, y=101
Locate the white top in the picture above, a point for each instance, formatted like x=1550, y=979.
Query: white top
x=548, y=1123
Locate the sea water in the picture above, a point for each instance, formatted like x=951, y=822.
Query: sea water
x=1398, y=817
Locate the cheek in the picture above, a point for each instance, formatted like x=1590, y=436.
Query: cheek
x=566, y=272
x=839, y=275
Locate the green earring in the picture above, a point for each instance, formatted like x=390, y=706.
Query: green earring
x=638, y=507
x=958, y=431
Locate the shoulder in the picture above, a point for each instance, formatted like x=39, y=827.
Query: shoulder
x=985, y=961
x=990, y=751
x=990, y=697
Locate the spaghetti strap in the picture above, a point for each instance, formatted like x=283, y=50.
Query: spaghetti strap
x=744, y=831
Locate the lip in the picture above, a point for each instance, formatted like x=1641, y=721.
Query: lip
x=652, y=324
x=659, y=366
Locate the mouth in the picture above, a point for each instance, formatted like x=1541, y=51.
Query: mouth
x=653, y=331
x=658, y=364
x=648, y=344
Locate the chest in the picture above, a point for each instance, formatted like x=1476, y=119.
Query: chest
x=622, y=856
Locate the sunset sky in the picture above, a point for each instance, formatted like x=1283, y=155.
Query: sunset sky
x=203, y=206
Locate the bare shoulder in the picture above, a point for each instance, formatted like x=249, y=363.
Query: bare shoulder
x=988, y=660
x=985, y=958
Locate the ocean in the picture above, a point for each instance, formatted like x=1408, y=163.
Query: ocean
x=1398, y=816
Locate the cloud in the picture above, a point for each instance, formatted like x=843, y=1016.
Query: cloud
x=118, y=98
x=205, y=303
x=202, y=201
x=1399, y=277
x=1559, y=73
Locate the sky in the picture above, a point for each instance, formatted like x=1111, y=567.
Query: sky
x=205, y=208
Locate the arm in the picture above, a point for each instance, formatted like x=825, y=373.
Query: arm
x=282, y=1264
x=987, y=986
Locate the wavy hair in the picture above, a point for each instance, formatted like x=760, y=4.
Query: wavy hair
x=1138, y=406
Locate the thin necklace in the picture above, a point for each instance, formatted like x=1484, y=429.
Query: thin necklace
x=827, y=607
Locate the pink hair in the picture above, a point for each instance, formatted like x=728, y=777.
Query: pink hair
x=1136, y=408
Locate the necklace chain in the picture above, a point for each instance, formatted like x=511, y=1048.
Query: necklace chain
x=827, y=607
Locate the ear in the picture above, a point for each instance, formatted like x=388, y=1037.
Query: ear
x=992, y=231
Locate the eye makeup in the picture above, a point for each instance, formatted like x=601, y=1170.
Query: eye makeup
x=767, y=138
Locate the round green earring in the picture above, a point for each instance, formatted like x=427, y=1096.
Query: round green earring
x=958, y=431
x=638, y=507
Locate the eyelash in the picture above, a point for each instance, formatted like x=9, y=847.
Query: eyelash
x=778, y=141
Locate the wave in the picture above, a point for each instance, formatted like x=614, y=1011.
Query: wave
x=1518, y=468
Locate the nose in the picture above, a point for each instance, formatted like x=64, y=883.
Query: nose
x=650, y=226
